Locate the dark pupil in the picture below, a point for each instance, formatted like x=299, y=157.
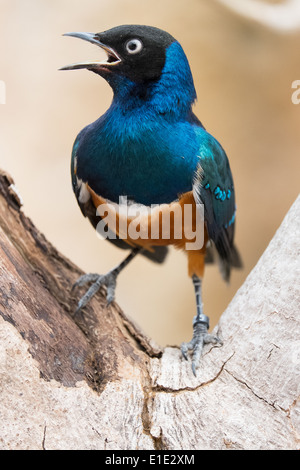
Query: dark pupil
x=132, y=46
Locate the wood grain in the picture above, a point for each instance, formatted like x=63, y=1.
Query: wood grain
x=96, y=381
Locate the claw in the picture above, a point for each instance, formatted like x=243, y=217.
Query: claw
x=184, y=350
x=200, y=337
x=108, y=280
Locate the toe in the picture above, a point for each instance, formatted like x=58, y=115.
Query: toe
x=84, y=279
x=197, y=352
x=185, y=347
x=184, y=350
x=212, y=339
x=200, y=337
x=88, y=295
x=110, y=296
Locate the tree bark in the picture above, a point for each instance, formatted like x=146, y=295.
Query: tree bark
x=95, y=381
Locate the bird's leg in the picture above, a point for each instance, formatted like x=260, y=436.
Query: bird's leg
x=98, y=280
x=200, y=328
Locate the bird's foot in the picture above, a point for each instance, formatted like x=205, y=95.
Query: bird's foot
x=200, y=337
x=108, y=280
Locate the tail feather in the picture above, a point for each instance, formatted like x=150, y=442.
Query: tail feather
x=226, y=264
x=236, y=260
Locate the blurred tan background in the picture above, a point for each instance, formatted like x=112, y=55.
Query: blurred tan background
x=243, y=74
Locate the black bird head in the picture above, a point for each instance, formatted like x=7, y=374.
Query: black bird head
x=134, y=51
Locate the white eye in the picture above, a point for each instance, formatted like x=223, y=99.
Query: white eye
x=133, y=46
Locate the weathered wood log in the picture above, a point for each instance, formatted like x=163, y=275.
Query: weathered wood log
x=95, y=381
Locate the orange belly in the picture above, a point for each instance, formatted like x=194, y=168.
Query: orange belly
x=179, y=223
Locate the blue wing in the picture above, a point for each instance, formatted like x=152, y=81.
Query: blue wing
x=213, y=187
x=158, y=253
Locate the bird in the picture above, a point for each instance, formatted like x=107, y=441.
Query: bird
x=151, y=150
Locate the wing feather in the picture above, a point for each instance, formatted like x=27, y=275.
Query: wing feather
x=213, y=187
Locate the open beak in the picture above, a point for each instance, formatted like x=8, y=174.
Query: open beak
x=112, y=56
